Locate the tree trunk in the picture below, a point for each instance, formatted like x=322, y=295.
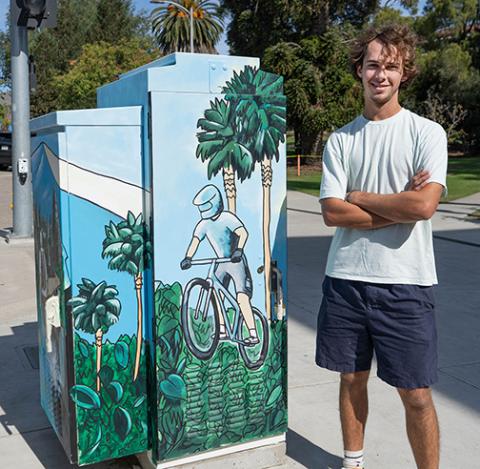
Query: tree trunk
x=266, y=166
x=317, y=146
x=98, y=343
x=230, y=188
x=138, y=289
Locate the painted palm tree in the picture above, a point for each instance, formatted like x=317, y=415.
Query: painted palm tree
x=95, y=309
x=129, y=248
x=171, y=26
x=259, y=110
x=219, y=144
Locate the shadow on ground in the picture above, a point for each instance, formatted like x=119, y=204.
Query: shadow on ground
x=308, y=454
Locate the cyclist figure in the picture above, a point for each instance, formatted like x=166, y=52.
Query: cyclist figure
x=227, y=236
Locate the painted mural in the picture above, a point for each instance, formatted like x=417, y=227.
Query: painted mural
x=53, y=290
x=94, y=277
x=220, y=329
x=167, y=298
x=110, y=388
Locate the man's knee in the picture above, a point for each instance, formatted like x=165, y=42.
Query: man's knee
x=417, y=400
x=355, y=380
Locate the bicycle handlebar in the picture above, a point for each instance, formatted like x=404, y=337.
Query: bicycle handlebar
x=217, y=260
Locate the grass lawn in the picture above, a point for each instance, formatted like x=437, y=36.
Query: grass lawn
x=463, y=178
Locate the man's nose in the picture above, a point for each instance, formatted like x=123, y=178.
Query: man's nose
x=381, y=73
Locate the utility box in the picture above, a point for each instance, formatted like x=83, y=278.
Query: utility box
x=88, y=203
x=210, y=180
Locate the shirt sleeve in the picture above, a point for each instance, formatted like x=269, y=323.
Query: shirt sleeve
x=232, y=221
x=199, y=231
x=433, y=154
x=334, y=176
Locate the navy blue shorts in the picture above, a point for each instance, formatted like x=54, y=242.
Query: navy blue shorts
x=396, y=321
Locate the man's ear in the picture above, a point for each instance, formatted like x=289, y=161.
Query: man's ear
x=359, y=71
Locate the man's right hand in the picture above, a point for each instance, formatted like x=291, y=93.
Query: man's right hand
x=419, y=181
x=186, y=263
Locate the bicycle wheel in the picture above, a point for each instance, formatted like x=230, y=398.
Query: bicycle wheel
x=254, y=355
x=200, y=320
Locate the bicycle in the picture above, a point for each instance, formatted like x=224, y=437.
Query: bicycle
x=201, y=321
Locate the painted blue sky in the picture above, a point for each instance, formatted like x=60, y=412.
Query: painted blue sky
x=139, y=5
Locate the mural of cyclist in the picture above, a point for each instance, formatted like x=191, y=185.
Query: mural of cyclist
x=227, y=235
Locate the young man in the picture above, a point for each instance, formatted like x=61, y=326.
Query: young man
x=383, y=176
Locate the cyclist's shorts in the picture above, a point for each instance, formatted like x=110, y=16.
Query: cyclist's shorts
x=395, y=321
x=239, y=273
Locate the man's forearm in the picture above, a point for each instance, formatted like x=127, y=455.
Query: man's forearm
x=405, y=207
x=337, y=212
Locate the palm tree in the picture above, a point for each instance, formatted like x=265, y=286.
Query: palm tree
x=259, y=109
x=171, y=26
x=95, y=309
x=129, y=247
x=219, y=144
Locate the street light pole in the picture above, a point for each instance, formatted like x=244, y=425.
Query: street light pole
x=189, y=12
x=21, y=158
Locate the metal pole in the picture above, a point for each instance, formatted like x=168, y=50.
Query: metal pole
x=191, y=29
x=21, y=158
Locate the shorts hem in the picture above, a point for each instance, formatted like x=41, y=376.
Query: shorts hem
x=398, y=383
x=341, y=369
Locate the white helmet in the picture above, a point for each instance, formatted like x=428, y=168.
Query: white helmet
x=209, y=201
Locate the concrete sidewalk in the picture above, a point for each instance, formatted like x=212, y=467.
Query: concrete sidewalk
x=314, y=439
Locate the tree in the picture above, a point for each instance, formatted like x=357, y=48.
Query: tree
x=257, y=25
x=447, y=75
x=129, y=248
x=321, y=92
x=172, y=26
x=115, y=21
x=95, y=309
x=98, y=64
x=448, y=20
x=79, y=22
x=220, y=144
x=260, y=119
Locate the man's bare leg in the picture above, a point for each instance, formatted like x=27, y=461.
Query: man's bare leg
x=422, y=426
x=246, y=309
x=353, y=408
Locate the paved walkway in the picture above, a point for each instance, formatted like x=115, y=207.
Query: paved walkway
x=315, y=438
x=314, y=441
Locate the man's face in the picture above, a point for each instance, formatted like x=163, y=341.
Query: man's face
x=381, y=73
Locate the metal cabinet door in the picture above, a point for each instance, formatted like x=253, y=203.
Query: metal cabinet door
x=215, y=385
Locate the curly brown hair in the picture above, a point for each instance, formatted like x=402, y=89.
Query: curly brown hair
x=399, y=41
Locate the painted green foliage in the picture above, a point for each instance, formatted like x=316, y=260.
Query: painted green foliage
x=203, y=404
x=112, y=422
x=95, y=309
x=110, y=381
x=129, y=248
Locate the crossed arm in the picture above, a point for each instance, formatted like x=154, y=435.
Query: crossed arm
x=366, y=210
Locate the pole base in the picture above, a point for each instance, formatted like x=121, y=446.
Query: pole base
x=15, y=240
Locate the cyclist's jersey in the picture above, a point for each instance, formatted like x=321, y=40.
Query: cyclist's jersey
x=220, y=233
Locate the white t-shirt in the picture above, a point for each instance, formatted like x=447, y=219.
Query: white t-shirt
x=220, y=233
x=381, y=157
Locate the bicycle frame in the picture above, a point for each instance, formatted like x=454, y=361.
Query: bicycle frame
x=215, y=286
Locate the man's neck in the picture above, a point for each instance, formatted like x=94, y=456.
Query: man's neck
x=374, y=113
